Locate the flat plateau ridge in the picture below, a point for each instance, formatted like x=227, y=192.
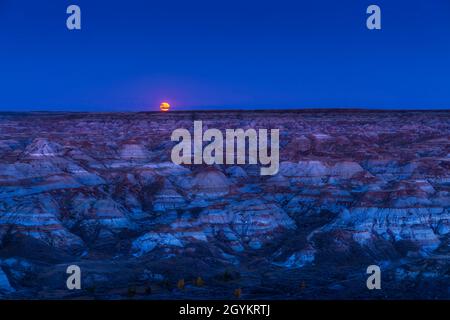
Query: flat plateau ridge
x=99, y=190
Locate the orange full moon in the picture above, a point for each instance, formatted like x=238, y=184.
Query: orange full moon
x=164, y=107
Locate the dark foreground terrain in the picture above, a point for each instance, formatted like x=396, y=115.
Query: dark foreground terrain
x=355, y=188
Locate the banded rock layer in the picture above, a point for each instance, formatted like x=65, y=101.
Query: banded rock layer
x=99, y=190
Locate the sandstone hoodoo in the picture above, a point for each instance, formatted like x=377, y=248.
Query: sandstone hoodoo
x=168, y=198
x=210, y=183
x=133, y=151
x=100, y=191
x=43, y=148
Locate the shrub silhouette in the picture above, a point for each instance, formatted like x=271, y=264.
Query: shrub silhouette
x=199, y=282
x=166, y=284
x=131, y=291
x=180, y=284
x=148, y=289
x=91, y=289
x=227, y=276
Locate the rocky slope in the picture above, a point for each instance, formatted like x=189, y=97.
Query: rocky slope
x=354, y=188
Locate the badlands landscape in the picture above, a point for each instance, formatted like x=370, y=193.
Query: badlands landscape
x=98, y=190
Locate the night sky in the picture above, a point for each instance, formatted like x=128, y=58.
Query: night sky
x=131, y=55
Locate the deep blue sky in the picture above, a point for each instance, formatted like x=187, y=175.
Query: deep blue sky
x=131, y=55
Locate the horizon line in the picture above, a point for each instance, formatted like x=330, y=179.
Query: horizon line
x=225, y=109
